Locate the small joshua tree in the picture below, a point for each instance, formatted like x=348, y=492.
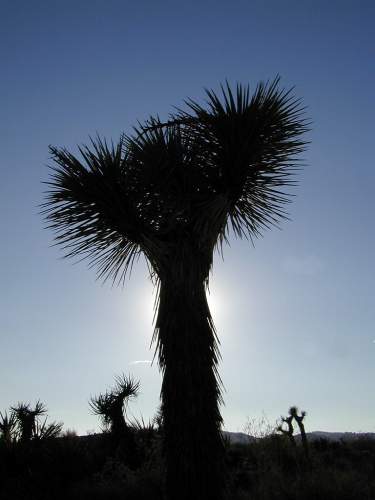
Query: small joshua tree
x=28, y=423
x=293, y=412
x=26, y=418
x=111, y=406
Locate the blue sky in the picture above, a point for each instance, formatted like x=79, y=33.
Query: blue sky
x=295, y=314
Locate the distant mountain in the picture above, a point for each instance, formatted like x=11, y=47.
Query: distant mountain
x=242, y=438
x=338, y=436
x=238, y=437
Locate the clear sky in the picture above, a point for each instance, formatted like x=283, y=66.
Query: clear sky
x=295, y=314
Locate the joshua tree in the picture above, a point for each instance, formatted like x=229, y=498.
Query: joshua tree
x=293, y=412
x=29, y=425
x=27, y=419
x=112, y=405
x=173, y=191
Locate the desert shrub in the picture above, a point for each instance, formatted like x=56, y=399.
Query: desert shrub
x=117, y=481
x=272, y=469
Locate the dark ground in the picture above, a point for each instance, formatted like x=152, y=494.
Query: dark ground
x=96, y=468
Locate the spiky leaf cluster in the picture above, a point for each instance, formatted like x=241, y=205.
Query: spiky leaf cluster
x=8, y=427
x=208, y=169
x=44, y=430
x=26, y=418
x=113, y=403
x=26, y=422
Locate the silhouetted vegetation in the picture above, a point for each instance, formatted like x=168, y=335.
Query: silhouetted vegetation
x=8, y=428
x=293, y=412
x=72, y=467
x=24, y=424
x=273, y=468
x=111, y=407
x=173, y=191
x=289, y=431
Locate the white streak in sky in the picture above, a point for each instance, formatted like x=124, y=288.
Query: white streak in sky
x=141, y=362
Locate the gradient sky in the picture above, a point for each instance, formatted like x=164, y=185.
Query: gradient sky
x=295, y=314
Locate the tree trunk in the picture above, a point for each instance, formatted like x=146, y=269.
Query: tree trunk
x=188, y=356
x=303, y=437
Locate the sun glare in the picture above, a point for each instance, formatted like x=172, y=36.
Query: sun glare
x=146, y=301
x=217, y=304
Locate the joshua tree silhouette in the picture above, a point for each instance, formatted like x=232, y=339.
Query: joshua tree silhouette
x=27, y=424
x=293, y=412
x=172, y=191
x=112, y=405
x=27, y=418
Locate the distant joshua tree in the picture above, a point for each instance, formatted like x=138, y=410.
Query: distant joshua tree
x=293, y=415
x=29, y=424
x=111, y=406
x=173, y=192
x=26, y=418
x=293, y=412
